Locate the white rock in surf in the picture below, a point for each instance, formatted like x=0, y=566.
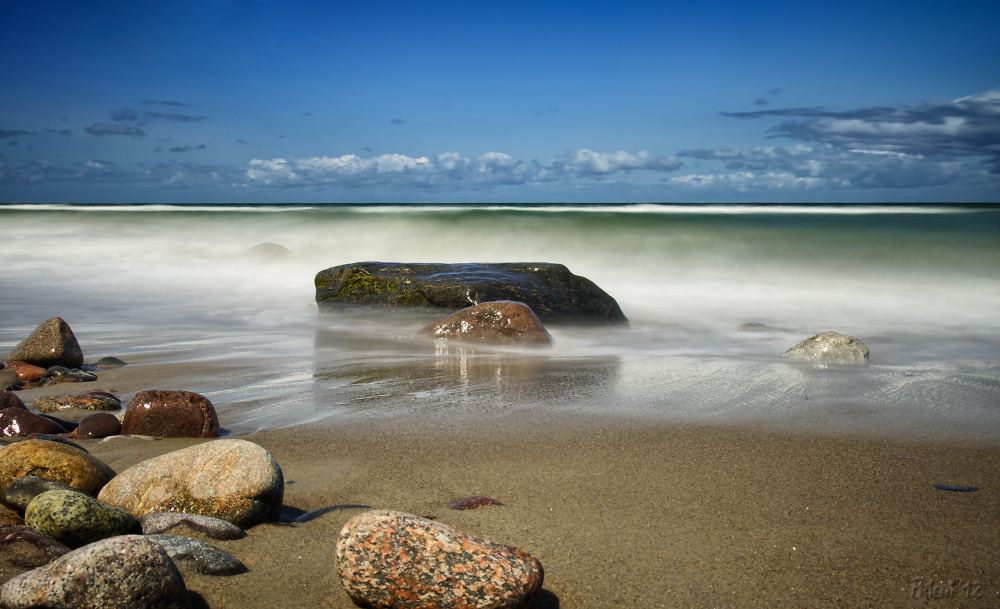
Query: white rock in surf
x=829, y=348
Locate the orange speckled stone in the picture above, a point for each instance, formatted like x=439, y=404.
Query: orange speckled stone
x=393, y=559
x=53, y=461
x=233, y=480
x=501, y=322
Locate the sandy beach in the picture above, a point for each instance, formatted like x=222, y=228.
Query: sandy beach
x=627, y=513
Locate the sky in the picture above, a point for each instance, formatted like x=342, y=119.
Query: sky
x=253, y=101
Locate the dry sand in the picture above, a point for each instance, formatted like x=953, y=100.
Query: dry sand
x=626, y=514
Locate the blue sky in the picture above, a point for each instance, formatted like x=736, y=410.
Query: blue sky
x=259, y=101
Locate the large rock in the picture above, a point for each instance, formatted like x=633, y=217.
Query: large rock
x=552, y=292
x=126, y=572
x=829, y=348
x=502, y=322
x=170, y=414
x=53, y=461
x=75, y=519
x=235, y=480
x=51, y=344
x=392, y=559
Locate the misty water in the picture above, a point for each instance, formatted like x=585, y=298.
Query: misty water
x=161, y=285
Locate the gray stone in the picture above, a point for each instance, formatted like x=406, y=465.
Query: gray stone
x=24, y=489
x=126, y=572
x=76, y=519
x=194, y=555
x=216, y=528
x=829, y=348
x=553, y=293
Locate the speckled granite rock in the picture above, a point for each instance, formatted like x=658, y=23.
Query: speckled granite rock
x=127, y=572
x=51, y=344
x=235, y=480
x=502, y=322
x=53, y=461
x=83, y=401
x=161, y=522
x=76, y=519
x=392, y=559
x=99, y=425
x=24, y=489
x=170, y=414
x=24, y=547
x=194, y=555
x=9, y=399
x=22, y=422
x=829, y=348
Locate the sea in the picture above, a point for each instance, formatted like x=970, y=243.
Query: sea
x=714, y=294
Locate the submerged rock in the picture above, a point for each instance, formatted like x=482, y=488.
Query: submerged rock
x=51, y=344
x=829, y=348
x=392, y=559
x=170, y=414
x=552, y=292
x=126, y=572
x=501, y=322
x=235, y=480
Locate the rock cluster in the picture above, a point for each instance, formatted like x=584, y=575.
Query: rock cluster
x=393, y=559
x=551, y=290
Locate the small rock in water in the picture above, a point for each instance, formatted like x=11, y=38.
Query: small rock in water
x=9, y=399
x=25, y=547
x=51, y=344
x=499, y=322
x=83, y=401
x=471, y=503
x=60, y=374
x=170, y=414
x=126, y=572
x=109, y=362
x=53, y=461
x=22, y=422
x=76, y=519
x=24, y=489
x=99, y=425
x=198, y=556
x=235, y=480
x=392, y=559
x=269, y=251
x=161, y=522
x=829, y=348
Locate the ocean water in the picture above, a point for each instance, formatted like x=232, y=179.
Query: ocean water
x=160, y=284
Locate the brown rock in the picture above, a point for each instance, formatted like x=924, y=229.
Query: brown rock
x=391, y=559
x=9, y=399
x=51, y=344
x=170, y=414
x=99, y=425
x=234, y=480
x=26, y=373
x=24, y=547
x=23, y=422
x=498, y=322
x=9, y=516
x=53, y=461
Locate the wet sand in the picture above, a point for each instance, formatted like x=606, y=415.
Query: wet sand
x=625, y=515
